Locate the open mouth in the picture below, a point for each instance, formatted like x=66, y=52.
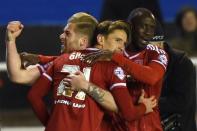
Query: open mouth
x=62, y=42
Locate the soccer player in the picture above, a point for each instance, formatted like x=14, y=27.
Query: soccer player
x=75, y=36
x=86, y=25
x=74, y=110
x=145, y=63
x=27, y=76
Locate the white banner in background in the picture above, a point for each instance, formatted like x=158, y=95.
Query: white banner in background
x=3, y=66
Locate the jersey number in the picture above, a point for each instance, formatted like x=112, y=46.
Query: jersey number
x=64, y=90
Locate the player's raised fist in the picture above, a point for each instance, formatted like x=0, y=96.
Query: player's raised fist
x=14, y=26
x=14, y=29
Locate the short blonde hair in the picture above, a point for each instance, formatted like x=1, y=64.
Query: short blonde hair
x=85, y=24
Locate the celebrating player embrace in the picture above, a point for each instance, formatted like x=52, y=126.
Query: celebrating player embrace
x=118, y=92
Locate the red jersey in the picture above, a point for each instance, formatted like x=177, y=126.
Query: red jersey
x=45, y=62
x=76, y=111
x=146, y=70
x=46, y=59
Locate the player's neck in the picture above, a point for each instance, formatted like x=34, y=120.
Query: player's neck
x=133, y=48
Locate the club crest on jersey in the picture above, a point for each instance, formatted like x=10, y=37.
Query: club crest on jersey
x=163, y=59
x=119, y=73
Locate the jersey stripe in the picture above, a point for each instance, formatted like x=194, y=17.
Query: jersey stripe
x=47, y=76
x=125, y=53
x=41, y=67
x=134, y=56
x=130, y=57
x=160, y=63
x=117, y=85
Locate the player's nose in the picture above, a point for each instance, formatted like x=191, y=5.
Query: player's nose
x=62, y=36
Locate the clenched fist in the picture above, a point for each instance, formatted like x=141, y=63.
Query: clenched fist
x=14, y=29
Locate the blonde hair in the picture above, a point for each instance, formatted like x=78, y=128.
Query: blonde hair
x=85, y=24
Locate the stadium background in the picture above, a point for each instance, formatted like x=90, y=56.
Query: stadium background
x=44, y=21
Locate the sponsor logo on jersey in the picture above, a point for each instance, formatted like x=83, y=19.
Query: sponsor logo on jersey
x=119, y=73
x=69, y=103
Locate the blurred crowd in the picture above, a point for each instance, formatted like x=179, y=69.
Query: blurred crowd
x=186, y=38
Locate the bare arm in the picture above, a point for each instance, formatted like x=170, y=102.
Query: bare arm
x=15, y=72
x=101, y=96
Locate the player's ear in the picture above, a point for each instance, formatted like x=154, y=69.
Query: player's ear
x=84, y=42
x=100, y=40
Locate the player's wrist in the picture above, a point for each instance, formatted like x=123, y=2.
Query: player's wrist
x=10, y=40
x=86, y=86
x=141, y=100
x=41, y=59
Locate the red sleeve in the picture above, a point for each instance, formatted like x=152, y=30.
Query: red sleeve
x=122, y=97
x=36, y=94
x=128, y=110
x=46, y=59
x=149, y=74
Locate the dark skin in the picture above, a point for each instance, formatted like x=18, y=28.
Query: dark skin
x=28, y=59
x=143, y=29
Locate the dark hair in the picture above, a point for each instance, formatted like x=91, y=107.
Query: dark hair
x=85, y=24
x=181, y=14
x=107, y=27
x=138, y=13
